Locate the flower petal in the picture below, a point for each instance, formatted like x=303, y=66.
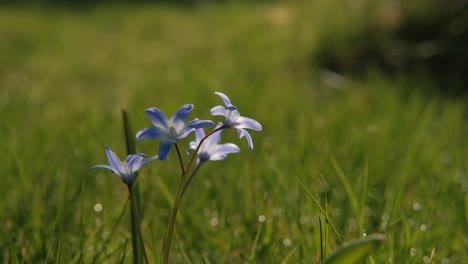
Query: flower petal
x=115, y=162
x=184, y=133
x=186, y=130
x=133, y=162
x=218, y=111
x=164, y=149
x=181, y=115
x=104, y=167
x=192, y=146
x=150, y=132
x=132, y=157
x=223, y=150
x=157, y=117
x=229, y=148
x=245, y=122
x=199, y=134
x=214, y=138
x=226, y=101
x=242, y=132
x=147, y=161
x=199, y=124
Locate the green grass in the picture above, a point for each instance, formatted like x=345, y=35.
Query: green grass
x=379, y=154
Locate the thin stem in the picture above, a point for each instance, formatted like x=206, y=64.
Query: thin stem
x=172, y=220
x=137, y=220
x=180, y=192
x=191, y=176
x=182, y=167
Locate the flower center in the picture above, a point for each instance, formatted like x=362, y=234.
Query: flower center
x=204, y=156
x=230, y=119
x=173, y=132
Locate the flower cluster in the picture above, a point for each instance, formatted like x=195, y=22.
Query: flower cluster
x=170, y=130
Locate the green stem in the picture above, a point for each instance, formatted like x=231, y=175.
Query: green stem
x=137, y=220
x=172, y=220
x=182, y=167
x=180, y=192
x=191, y=176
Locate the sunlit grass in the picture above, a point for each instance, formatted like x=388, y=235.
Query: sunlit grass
x=65, y=76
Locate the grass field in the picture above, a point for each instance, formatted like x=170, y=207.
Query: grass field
x=379, y=153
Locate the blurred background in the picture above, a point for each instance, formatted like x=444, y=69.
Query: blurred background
x=411, y=37
x=377, y=86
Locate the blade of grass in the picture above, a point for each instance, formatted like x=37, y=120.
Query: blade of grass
x=204, y=260
x=356, y=251
x=347, y=186
x=59, y=249
x=322, y=256
x=365, y=188
x=254, y=246
x=319, y=207
x=325, y=244
x=466, y=207
x=284, y=261
x=51, y=237
x=390, y=216
x=111, y=233
x=124, y=254
x=131, y=149
x=181, y=248
x=129, y=136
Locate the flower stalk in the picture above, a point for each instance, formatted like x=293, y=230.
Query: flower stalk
x=172, y=220
x=137, y=220
x=183, y=184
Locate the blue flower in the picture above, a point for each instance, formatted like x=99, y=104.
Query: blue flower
x=170, y=130
x=210, y=149
x=235, y=120
x=126, y=170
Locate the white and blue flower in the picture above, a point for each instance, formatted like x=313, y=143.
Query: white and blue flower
x=170, y=130
x=126, y=169
x=210, y=149
x=233, y=119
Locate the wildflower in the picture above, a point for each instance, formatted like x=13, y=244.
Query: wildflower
x=170, y=130
x=210, y=149
x=126, y=169
x=235, y=120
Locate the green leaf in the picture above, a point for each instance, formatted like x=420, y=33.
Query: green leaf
x=131, y=149
x=357, y=250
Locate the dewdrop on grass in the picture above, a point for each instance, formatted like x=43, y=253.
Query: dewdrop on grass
x=97, y=208
x=261, y=218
